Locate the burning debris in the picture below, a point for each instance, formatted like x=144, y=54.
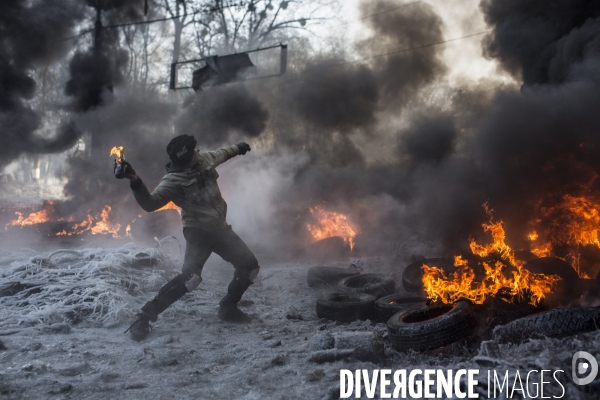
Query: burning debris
x=503, y=274
x=563, y=225
x=330, y=224
x=94, y=223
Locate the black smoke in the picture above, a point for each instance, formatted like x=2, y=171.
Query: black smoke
x=528, y=147
x=431, y=139
x=94, y=74
x=344, y=115
x=401, y=73
x=223, y=114
x=543, y=42
x=336, y=96
x=31, y=36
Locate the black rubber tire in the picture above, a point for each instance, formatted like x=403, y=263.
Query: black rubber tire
x=387, y=306
x=555, y=323
x=377, y=285
x=412, y=277
x=430, y=327
x=328, y=277
x=500, y=312
x=346, y=307
x=553, y=266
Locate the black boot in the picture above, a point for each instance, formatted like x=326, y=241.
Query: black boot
x=140, y=328
x=233, y=314
x=167, y=295
x=228, y=310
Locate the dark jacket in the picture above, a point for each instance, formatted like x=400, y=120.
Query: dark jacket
x=194, y=189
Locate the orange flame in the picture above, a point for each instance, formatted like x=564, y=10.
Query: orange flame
x=39, y=217
x=98, y=224
x=169, y=206
x=95, y=224
x=118, y=152
x=570, y=222
x=519, y=285
x=329, y=224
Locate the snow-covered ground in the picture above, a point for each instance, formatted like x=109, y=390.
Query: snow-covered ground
x=67, y=339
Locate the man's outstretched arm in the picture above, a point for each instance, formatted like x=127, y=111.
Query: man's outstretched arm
x=148, y=201
x=223, y=154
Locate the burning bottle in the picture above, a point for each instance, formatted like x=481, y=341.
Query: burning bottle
x=120, y=164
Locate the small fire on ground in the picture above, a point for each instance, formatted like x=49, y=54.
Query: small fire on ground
x=329, y=224
x=94, y=223
x=504, y=274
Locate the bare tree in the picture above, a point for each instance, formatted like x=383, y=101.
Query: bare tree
x=238, y=26
x=183, y=14
x=143, y=42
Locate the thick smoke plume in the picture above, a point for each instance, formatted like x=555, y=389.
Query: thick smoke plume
x=541, y=141
x=93, y=76
x=543, y=42
x=30, y=37
x=222, y=115
x=402, y=74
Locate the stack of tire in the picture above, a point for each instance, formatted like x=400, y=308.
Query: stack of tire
x=350, y=294
x=419, y=325
x=425, y=327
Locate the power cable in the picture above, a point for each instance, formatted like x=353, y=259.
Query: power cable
x=150, y=21
x=387, y=54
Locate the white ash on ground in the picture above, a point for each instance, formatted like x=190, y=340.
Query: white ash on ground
x=66, y=340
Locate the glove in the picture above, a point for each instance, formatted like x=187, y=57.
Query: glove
x=123, y=170
x=244, y=147
x=129, y=172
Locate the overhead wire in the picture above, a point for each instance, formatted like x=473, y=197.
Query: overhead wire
x=223, y=7
x=150, y=21
x=386, y=54
x=328, y=66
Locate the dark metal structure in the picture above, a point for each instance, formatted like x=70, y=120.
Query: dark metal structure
x=219, y=70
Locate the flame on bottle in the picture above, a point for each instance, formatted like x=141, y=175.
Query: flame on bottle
x=517, y=286
x=118, y=152
x=329, y=224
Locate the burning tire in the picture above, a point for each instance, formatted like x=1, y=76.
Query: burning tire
x=412, y=277
x=345, y=307
x=552, y=266
x=377, y=285
x=500, y=312
x=554, y=323
x=387, y=306
x=430, y=327
x=328, y=277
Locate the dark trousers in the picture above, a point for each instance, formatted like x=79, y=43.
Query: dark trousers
x=225, y=243
x=200, y=245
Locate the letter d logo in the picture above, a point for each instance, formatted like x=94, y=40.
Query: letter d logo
x=584, y=367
